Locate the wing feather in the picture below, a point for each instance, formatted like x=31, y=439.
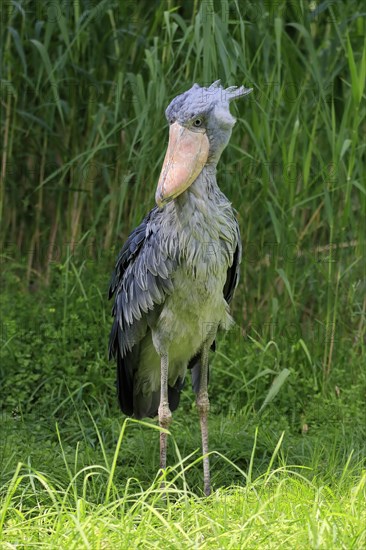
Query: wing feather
x=233, y=273
x=142, y=278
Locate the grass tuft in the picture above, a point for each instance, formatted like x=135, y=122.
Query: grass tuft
x=84, y=86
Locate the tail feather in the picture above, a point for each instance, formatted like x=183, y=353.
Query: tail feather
x=124, y=385
x=147, y=406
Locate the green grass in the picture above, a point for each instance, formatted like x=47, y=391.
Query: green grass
x=83, y=141
x=288, y=456
x=296, y=492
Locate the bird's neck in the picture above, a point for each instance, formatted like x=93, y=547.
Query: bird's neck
x=202, y=208
x=199, y=195
x=202, y=221
x=205, y=183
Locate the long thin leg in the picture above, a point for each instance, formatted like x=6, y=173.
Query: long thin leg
x=165, y=415
x=203, y=406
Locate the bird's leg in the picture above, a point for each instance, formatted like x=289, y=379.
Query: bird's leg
x=165, y=415
x=203, y=406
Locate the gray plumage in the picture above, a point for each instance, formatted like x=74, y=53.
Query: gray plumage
x=177, y=272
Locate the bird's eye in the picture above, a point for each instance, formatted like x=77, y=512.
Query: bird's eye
x=197, y=122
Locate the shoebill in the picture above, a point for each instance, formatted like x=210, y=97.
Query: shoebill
x=176, y=274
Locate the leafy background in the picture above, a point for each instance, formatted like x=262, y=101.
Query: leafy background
x=84, y=86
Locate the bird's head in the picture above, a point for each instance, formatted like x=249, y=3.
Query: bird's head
x=200, y=128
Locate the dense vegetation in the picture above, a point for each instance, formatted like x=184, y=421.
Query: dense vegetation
x=84, y=86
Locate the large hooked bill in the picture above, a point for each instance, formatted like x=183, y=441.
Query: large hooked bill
x=185, y=158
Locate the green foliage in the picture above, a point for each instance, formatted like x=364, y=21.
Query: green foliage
x=90, y=500
x=53, y=346
x=84, y=86
x=84, y=117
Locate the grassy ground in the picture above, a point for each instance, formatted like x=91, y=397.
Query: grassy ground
x=288, y=451
x=71, y=491
x=83, y=130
